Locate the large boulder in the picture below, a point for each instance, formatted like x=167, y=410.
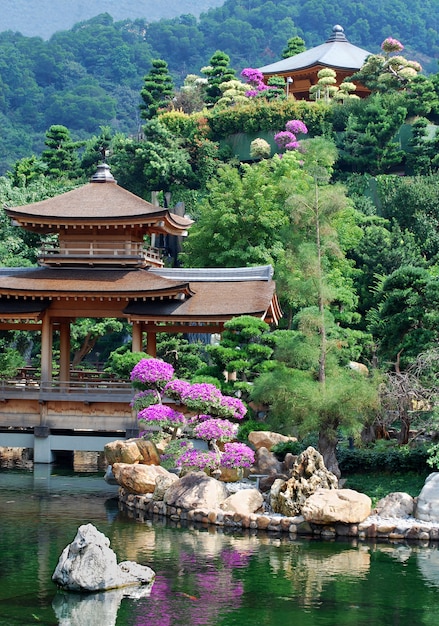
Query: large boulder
x=308, y=474
x=267, y=439
x=89, y=564
x=149, y=452
x=122, y=451
x=328, y=506
x=244, y=502
x=396, y=504
x=196, y=490
x=266, y=463
x=132, y=451
x=427, y=504
x=139, y=478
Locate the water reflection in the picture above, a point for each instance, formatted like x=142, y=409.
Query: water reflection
x=204, y=576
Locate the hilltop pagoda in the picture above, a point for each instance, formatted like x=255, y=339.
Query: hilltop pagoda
x=300, y=71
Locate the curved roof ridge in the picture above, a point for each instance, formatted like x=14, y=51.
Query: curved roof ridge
x=215, y=274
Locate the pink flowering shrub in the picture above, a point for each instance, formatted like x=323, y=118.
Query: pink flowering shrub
x=237, y=455
x=286, y=139
x=208, y=418
x=216, y=429
x=152, y=373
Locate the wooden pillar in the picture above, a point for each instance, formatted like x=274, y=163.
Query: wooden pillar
x=137, y=339
x=64, y=359
x=46, y=349
x=151, y=343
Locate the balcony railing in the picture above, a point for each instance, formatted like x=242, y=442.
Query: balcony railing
x=85, y=389
x=132, y=254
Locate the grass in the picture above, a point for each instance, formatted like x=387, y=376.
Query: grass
x=379, y=484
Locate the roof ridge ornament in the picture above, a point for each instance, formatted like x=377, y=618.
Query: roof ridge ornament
x=337, y=34
x=103, y=174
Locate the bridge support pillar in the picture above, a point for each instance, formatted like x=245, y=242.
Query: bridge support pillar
x=42, y=445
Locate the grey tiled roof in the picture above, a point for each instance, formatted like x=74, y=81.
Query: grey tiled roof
x=337, y=52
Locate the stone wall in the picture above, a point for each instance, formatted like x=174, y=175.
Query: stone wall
x=373, y=528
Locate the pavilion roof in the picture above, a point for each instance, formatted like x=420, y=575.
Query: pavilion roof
x=145, y=294
x=336, y=52
x=101, y=201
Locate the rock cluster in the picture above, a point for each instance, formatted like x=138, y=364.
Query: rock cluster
x=307, y=476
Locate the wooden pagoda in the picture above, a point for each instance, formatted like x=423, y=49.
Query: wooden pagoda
x=98, y=266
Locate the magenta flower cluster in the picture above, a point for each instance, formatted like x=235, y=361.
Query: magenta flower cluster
x=296, y=127
x=198, y=459
x=216, y=430
x=152, y=372
x=255, y=80
x=286, y=139
x=237, y=455
x=161, y=413
x=233, y=407
x=176, y=388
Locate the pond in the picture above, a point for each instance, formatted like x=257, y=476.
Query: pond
x=204, y=576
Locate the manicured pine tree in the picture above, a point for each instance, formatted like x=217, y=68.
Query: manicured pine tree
x=218, y=71
x=157, y=89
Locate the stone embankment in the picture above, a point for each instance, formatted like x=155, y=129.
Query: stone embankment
x=372, y=528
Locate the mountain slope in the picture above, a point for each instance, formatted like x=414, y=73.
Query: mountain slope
x=44, y=17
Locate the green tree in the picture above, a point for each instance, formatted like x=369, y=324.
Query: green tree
x=406, y=320
x=299, y=404
x=153, y=164
x=367, y=144
x=61, y=155
x=295, y=45
x=157, y=90
x=243, y=214
x=218, y=71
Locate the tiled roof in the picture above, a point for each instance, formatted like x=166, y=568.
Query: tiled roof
x=337, y=52
x=95, y=201
x=177, y=299
x=43, y=282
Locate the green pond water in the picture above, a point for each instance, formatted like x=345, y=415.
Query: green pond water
x=204, y=577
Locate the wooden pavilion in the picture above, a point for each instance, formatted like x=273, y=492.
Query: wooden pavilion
x=99, y=267
x=300, y=71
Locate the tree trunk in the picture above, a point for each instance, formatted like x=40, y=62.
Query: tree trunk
x=327, y=446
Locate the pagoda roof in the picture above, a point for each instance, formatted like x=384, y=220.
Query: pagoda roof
x=336, y=52
x=145, y=295
x=101, y=201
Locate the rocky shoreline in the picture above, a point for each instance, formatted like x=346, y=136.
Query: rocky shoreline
x=374, y=528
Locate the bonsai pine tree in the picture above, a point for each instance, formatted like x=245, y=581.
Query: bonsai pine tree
x=157, y=89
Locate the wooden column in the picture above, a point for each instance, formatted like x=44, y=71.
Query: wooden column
x=151, y=344
x=46, y=349
x=137, y=338
x=64, y=359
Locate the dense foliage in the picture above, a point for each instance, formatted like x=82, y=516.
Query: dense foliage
x=92, y=74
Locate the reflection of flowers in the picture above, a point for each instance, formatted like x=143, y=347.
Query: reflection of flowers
x=203, y=596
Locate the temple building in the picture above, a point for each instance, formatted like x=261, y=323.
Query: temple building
x=300, y=71
x=97, y=265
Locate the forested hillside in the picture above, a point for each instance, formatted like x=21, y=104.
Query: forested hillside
x=42, y=18
x=92, y=75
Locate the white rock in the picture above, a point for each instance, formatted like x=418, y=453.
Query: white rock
x=427, y=505
x=89, y=564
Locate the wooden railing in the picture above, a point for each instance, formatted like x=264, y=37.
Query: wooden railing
x=98, y=389
x=131, y=254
